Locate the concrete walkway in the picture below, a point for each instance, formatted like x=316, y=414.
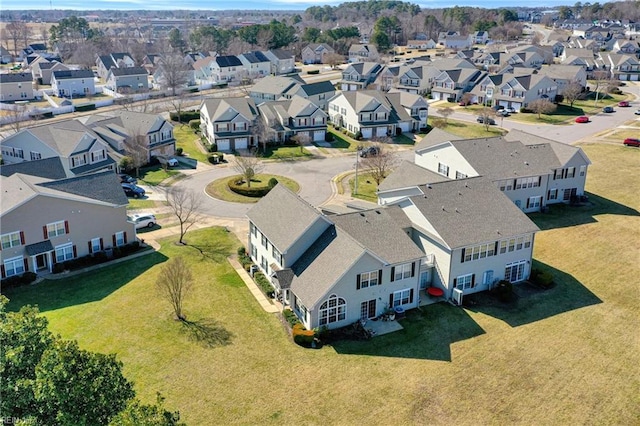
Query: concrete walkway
x=265, y=303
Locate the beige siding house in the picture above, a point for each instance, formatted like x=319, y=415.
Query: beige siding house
x=16, y=87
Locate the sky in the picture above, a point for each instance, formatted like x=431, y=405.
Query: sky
x=243, y=5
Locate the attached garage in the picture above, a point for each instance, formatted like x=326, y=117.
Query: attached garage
x=381, y=131
x=241, y=143
x=367, y=132
x=318, y=135
x=405, y=126
x=223, y=145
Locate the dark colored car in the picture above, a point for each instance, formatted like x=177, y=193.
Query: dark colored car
x=124, y=178
x=370, y=152
x=608, y=109
x=491, y=121
x=632, y=142
x=623, y=104
x=132, y=190
x=582, y=119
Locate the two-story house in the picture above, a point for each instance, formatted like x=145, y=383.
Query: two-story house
x=282, y=61
x=5, y=55
x=416, y=106
x=295, y=117
x=44, y=221
x=16, y=87
x=451, y=84
x=42, y=69
x=621, y=66
x=73, y=83
x=228, y=122
x=514, y=90
x=333, y=270
x=273, y=87
x=372, y=113
x=480, y=37
x=127, y=80
x=203, y=69
x=563, y=75
x=319, y=93
x=104, y=63
x=226, y=68
x=256, y=64
x=357, y=76
x=316, y=53
x=363, y=53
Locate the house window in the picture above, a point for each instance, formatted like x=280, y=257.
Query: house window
x=264, y=240
x=503, y=247
x=402, y=271
x=36, y=156
x=512, y=244
x=368, y=279
x=64, y=252
x=460, y=175
x=96, y=246
x=120, y=239
x=552, y=194
x=583, y=170
x=254, y=252
x=263, y=262
x=254, y=230
x=11, y=240
x=519, y=242
x=19, y=153
x=443, y=169
x=527, y=241
x=57, y=228
x=98, y=155
x=464, y=282
x=514, y=272
x=276, y=254
x=567, y=194
x=534, y=202
x=402, y=297
x=14, y=266
x=487, y=277
x=332, y=310
x=571, y=172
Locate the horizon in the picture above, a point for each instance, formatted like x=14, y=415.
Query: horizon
x=228, y=5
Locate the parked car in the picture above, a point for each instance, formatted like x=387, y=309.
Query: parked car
x=637, y=112
x=172, y=162
x=623, y=104
x=497, y=107
x=490, y=120
x=504, y=113
x=582, y=119
x=124, y=178
x=143, y=220
x=511, y=110
x=608, y=109
x=632, y=142
x=369, y=152
x=132, y=190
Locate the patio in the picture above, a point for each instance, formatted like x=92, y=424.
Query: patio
x=380, y=327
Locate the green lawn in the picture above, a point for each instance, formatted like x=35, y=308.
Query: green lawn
x=189, y=141
x=469, y=130
x=366, y=187
x=137, y=204
x=219, y=188
x=285, y=152
x=568, y=355
x=154, y=175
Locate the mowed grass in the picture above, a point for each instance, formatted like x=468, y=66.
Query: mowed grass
x=366, y=187
x=189, y=141
x=565, y=356
x=219, y=188
x=470, y=130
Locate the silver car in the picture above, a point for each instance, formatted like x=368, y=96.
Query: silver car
x=143, y=220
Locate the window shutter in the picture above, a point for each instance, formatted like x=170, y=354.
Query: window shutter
x=391, y=300
x=455, y=282
x=393, y=273
x=462, y=256
x=66, y=226
x=539, y=180
x=26, y=264
x=413, y=269
x=75, y=252
x=2, y=271
x=22, y=237
x=45, y=233
x=358, y=282
x=473, y=280
x=125, y=238
x=548, y=194
x=379, y=276
x=114, y=239
x=554, y=174
x=101, y=244
x=411, y=296
x=495, y=250
x=90, y=248
x=514, y=183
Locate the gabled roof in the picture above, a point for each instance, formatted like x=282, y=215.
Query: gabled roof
x=107, y=61
x=275, y=85
x=228, y=108
x=470, y=211
x=71, y=74
x=118, y=72
x=22, y=77
x=563, y=152
x=100, y=186
x=281, y=54
x=312, y=89
x=283, y=216
x=435, y=137
x=228, y=61
x=48, y=168
x=255, y=57
x=408, y=174
x=64, y=137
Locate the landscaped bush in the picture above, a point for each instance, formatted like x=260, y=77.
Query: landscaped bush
x=504, y=290
x=239, y=187
x=290, y=317
x=358, y=136
x=301, y=336
x=85, y=107
x=245, y=261
x=179, y=152
x=185, y=116
x=212, y=157
x=264, y=285
x=213, y=147
x=312, y=72
x=194, y=124
x=95, y=258
x=541, y=278
x=18, y=280
x=241, y=251
x=328, y=137
x=272, y=183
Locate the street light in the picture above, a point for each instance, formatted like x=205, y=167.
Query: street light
x=355, y=184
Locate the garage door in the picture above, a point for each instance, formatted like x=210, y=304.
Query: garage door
x=366, y=133
x=381, y=131
x=223, y=145
x=241, y=143
x=318, y=135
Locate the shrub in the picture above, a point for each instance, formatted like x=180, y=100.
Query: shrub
x=58, y=268
x=541, y=278
x=29, y=277
x=212, y=157
x=504, y=290
x=179, y=152
x=272, y=183
x=264, y=285
x=328, y=137
x=184, y=116
x=240, y=188
x=19, y=280
x=291, y=317
x=313, y=72
x=194, y=124
x=213, y=147
x=358, y=135
x=241, y=251
x=301, y=336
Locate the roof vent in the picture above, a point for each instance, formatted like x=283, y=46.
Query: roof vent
x=429, y=186
x=362, y=214
x=459, y=192
x=466, y=184
x=378, y=211
x=443, y=209
x=457, y=211
x=526, y=163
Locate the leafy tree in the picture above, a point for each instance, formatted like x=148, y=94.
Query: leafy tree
x=432, y=26
x=208, y=38
x=311, y=34
x=176, y=41
x=508, y=15
x=72, y=30
x=175, y=283
x=381, y=40
x=137, y=414
x=542, y=106
x=484, y=25
x=565, y=12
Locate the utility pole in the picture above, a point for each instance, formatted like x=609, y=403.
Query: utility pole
x=355, y=184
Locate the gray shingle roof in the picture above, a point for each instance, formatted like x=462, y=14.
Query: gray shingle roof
x=283, y=216
x=227, y=109
x=49, y=168
x=69, y=74
x=101, y=186
x=435, y=137
x=471, y=211
x=317, y=88
x=118, y=72
x=38, y=248
x=563, y=152
x=380, y=234
x=408, y=174
x=22, y=77
x=274, y=85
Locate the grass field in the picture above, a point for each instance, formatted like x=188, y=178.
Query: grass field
x=470, y=130
x=366, y=187
x=189, y=141
x=565, y=356
x=285, y=153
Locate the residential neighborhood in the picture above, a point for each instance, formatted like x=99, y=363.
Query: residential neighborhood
x=393, y=202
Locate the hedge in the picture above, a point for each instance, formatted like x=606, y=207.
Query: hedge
x=18, y=280
x=95, y=258
x=264, y=285
x=185, y=116
x=238, y=188
x=194, y=124
x=211, y=156
x=312, y=72
x=291, y=318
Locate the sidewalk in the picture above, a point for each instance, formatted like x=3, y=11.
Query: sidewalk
x=253, y=288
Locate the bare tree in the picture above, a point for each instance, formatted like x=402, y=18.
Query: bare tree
x=542, y=106
x=466, y=99
x=248, y=166
x=334, y=59
x=184, y=205
x=174, y=283
x=571, y=92
x=19, y=117
x=445, y=112
x=600, y=77
x=137, y=150
x=302, y=139
x=174, y=72
x=263, y=131
x=84, y=54
x=379, y=166
x=438, y=123
x=488, y=115
x=17, y=31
